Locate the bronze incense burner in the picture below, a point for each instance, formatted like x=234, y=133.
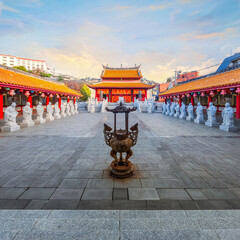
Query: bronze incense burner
x=121, y=142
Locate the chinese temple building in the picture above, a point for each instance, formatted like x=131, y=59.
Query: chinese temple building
x=21, y=87
x=121, y=82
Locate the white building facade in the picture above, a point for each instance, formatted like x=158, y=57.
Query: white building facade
x=29, y=64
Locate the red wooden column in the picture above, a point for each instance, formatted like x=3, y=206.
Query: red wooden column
x=209, y=99
x=47, y=100
x=1, y=106
x=171, y=100
x=238, y=107
x=192, y=100
x=74, y=100
x=59, y=102
x=30, y=100
x=165, y=101
x=68, y=100
x=110, y=95
x=180, y=101
x=131, y=95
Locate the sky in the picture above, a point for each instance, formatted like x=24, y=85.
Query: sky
x=77, y=36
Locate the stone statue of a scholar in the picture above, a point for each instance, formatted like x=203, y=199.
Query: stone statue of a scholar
x=63, y=110
x=72, y=110
x=167, y=109
x=149, y=107
x=92, y=108
x=49, y=116
x=56, y=111
x=172, y=112
x=183, y=112
x=40, y=111
x=211, y=113
x=27, y=116
x=177, y=109
x=76, y=107
x=10, y=122
x=68, y=113
x=190, y=112
x=228, y=119
x=164, y=108
x=199, y=111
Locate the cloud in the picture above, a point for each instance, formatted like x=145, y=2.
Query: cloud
x=6, y=8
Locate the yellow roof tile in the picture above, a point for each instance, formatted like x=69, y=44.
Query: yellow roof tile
x=112, y=73
x=216, y=81
x=21, y=80
x=121, y=85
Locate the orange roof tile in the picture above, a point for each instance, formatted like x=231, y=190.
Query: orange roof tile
x=163, y=87
x=228, y=78
x=112, y=73
x=21, y=80
x=121, y=85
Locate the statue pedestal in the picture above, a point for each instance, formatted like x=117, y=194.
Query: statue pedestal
x=10, y=128
x=40, y=121
x=182, y=117
x=121, y=171
x=189, y=118
x=63, y=115
x=57, y=116
x=212, y=124
x=228, y=128
x=199, y=121
x=26, y=124
x=176, y=115
x=49, y=118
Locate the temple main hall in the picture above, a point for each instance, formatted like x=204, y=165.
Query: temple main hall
x=121, y=82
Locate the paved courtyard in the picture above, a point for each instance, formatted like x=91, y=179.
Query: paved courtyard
x=63, y=165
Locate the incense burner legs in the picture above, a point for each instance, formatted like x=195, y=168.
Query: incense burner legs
x=121, y=167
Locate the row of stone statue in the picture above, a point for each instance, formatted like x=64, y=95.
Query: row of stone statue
x=180, y=112
x=10, y=114
x=94, y=105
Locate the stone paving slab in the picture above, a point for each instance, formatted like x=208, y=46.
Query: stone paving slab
x=64, y=164
x=129, y=224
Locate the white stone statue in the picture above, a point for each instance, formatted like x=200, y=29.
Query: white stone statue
x=10, y=122
x=190, y=112
x=164, y=108
x=228, y=119
x=76, y=107
x=139, y=110
x=49, y=115
x=56, y=111
x=167, y=109
x=68, y=113
x=172, y=112
x=211, y=113
x=182, y=111
x=89, y=104
x=27, y=116
x=72, y=110
x=149, y=107
x=40, y=111
x=92, y=108
x=177, y=109
x=104, y=105
x=199, y=111
x=63, y=110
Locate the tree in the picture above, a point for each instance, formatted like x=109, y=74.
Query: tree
x=169, y=79
x=22, y=68
x=43, y=74
x=60, y=79
x=85, y=91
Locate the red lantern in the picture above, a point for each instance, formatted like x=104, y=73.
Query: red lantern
x=27, y=93
x=223, y=92
x=11, y=92
x=202, y=94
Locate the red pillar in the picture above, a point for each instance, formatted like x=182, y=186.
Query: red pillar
x=30, y=100
x=59, y=102
x=180, y=101
x=192, y=100
x=209, y=99
x=74, y=100
x=165, y=101
x=171, y=100
x=1, y=106
x=110, y=95
x=238, y=107
x=68, y=100
x=47, y=100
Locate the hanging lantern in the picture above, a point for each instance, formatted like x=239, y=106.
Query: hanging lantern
x=68, y=97
x=11, y=92
x=212, y=93
x=238, y=90
x=50, y=95
x=31, y=91
x=183, y=95
x=188, y=95
x=58, y=96
x=7, y=88
x=223, y=92
x=194, y=95
x=27, y=93
x=232, y=89
x=42, y=95
x=202, y=94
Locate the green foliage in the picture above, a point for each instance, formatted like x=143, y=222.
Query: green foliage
x=169, y=79
x=60, y=79
x=43, y=74
x=85, y=91
x=22, y=68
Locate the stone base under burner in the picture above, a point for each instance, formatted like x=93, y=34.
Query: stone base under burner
x=121, y=171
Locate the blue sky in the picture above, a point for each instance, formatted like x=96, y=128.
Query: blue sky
x=77, y=36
